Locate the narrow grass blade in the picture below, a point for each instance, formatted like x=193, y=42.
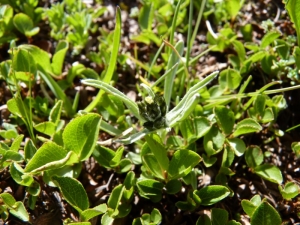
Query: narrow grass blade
x=191, y=92
x=112, y=60
x=131, y=105
x=169, y=80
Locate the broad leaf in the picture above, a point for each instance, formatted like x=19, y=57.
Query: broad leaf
x=269, y=38
x=50, y=156
x=212, y=194
x=269, y=172
x=290, y=190
x=225, y=118
x=265, y=214
x=246, y=126
x=81, y=134
x=158, y=150
x=219, y=216
x=150, y=189
x=237, y=145
x=73, y=192
x=93, y=212
x=59, y=56
x=254, y=156
x=182, y=162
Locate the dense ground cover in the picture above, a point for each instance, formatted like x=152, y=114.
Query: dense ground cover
x=149, y=112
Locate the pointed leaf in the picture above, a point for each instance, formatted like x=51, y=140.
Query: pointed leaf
x=212, y=194
x=73, y=192
x=246, y=126
x=182, y=162
x=254, y=156
x=81, y=134
x=49, y=156
x=219, y=216
x=269, y=172
x=265, y=214
x=269, y=38
x=91, y=213
x=158, y=150
x=225, y=118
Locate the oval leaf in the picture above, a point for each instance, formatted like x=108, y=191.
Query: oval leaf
x=246, y=126
x=269, y=172
x=225, y=118
x=265, y=214
x=73, y=192
x=81, y=134
x=212, y=194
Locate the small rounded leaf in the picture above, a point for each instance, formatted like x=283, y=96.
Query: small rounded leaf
x=254, y=156
x=269, y=172
x=265, y=214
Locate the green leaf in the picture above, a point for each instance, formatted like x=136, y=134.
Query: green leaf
x=17, y=173
x=153, y=165
x=40, y=56
x=233, y=222
x=155, y=216
x=182, y=162
x=73, y=192
x=246, y=126
x=233, y=7
x=91, y=213
x=104, y=155
x=237, y=145
x=15, y=146
x=269, y=38
x=59, y=56
x=203, y=220
x=146, y=16
x=213, y=141
x=219, y=216
x=254, y=156
x=112, y=63
x=230, y=79
x=268, y=116
x=290, y=190
x=293, y=8
x=81, y=134
x=55, y=112
x=25, y=25
x=150, y=189
x=50, y=156
x=225, y=118
x=47, y=128
x=131, y=105
x=24, y=62
x=248, y=207
x=269, y=172
x=202, y=126
x=265, y=214
x=173, y=187
x=169, y=80
x=212, y=194
x=158, y=150
x=115, y=198
x=296, y=54
x=176, y=113
x=30, y=149
x=296, y=148
x=260, y=104
x=8, y=199
x=115, y=161
x=20, y=212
